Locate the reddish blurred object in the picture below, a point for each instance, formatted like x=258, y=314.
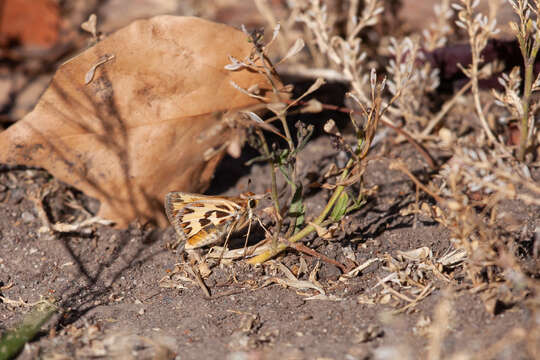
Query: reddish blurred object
x=513, y=134
x=32, y=23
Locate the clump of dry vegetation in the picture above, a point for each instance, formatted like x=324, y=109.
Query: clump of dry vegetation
x=481, y=176
x=484, y=167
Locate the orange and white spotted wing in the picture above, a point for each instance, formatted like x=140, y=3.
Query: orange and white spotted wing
x=201, y=220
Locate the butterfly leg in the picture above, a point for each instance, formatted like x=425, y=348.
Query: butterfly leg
x=225, y=244
x=247, y=238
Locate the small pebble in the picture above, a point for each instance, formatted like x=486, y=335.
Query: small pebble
x=27, y=217
x=17, y=195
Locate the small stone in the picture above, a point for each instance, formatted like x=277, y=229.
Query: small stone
x=27, y=217
x=17, y=195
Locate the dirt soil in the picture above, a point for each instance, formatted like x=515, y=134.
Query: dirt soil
x=108, y=282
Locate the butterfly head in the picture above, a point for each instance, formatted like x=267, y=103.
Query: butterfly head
x=252, y=200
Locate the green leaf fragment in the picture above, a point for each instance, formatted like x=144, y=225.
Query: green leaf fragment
x=12, y=342
x=340, y=208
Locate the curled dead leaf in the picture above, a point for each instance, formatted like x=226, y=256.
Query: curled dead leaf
x=418, y=254
x=90, y=25
x=143, y=124
x=321, y=231
x=331, y=128
x=295, y=49
x=312, y=106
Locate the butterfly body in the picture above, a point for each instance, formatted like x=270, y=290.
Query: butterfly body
x=201, y=220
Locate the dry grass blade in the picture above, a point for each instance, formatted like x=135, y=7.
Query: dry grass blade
x=396, y=293
x=354, y=272
x=199, y=280
x=439, y=329
x=95, y=220
x=292, y=281
x=305, y=249
x=253, y=250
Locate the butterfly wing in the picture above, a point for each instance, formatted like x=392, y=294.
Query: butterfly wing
x=201, y=220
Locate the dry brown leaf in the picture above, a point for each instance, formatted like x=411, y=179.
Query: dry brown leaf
x=147, y=119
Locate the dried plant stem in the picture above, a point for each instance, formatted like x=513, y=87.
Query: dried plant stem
x=302, y=71
x=398, y=165
x=396, y=293
x=479, y=29
x=199, y=280
x=476, y=96
x=439, y=329
x=444, y=110
x=306, y=250
x=352, y=15
x=268, y=73
x=528, y=60
x=417, y=146
x=309, y=228
x=287, y=131
x=426, y=291
x=387, y=122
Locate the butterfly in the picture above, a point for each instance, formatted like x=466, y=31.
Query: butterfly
x=201, y=220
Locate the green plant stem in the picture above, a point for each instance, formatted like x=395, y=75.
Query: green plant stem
x=274, y=192
x=266, y=150
x=274, y=187
x=308, y=229
x=276, y=202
